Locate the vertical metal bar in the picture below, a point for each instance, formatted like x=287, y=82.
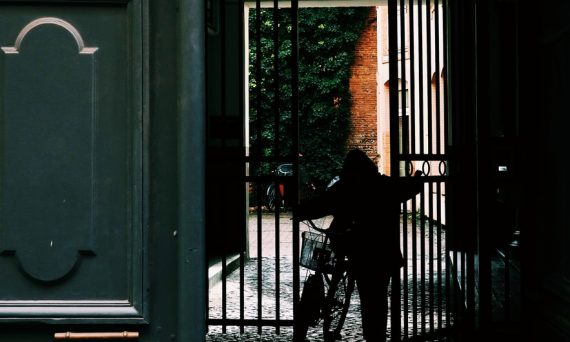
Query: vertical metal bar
x=423, y=262
x=429, y=150
x=446, y=99
x=276, y=227
x=394, y=139
x=259, y=126
x=258, y=191
x=439, y=255
x=456, y=279
x=412, y=39
x=208, y=294
x=507, y=299
x=277, y=273
x=259, y=261
x=421, y=76
x=191, y=269
x=428, y=78
x=464, y=290
x=470, y=264
x=430, y=250
x=414, y=268
x=517, y=72
x=438, y=151
x=276, y=151
x=405, y=269
x=412, y=90
x=405, y=151
x=437, y=81
x=470, y=287
x=223, y=109
x=448, y=272
x=224, y=282
x=422, y=151
x=242, y=285
x=276, y=76
x=463, y=276
x=295, y=133
x=258, y=123
x=258, y=215
x=242, y=91
x=403, y=82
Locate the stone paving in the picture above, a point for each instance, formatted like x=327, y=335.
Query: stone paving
x=267, y=283
x=268, y=309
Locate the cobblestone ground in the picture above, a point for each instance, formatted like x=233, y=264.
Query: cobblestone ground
x=426, y=294
x=351, y=330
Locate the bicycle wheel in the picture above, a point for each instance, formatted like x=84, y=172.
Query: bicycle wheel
x=336, y=305
x=309, y=306
x=271, y=197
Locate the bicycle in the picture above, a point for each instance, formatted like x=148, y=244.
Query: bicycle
x=328, y=284
x=279, y=194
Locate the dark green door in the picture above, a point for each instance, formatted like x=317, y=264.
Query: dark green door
x=101, y=169
x=72, y=241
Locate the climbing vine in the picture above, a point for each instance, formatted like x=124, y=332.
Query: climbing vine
x=327, y=40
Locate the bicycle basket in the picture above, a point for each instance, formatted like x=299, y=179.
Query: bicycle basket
x=316, y=252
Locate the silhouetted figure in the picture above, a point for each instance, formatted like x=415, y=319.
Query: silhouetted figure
x=366, y=205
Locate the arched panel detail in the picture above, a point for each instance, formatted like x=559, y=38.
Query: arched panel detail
x=49, y=21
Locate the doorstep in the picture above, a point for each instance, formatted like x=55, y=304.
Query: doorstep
x=215, y=268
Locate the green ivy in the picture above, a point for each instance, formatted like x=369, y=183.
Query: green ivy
x=327, y=40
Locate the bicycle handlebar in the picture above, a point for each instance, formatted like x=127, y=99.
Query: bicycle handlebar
x=325, y=231
x=328, y=232
x=314, y=226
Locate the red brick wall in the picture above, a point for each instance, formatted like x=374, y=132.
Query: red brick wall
x=363, y=127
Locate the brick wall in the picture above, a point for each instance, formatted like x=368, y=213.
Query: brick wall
x=363, y=127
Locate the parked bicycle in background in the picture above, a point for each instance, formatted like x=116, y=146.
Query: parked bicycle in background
x=280, y=193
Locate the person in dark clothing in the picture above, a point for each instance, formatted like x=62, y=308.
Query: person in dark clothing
x=366, y=206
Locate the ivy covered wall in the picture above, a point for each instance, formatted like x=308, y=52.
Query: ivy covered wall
x=327, y=41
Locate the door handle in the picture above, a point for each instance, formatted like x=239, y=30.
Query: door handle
x=123, y=335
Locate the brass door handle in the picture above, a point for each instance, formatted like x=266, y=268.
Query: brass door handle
x=124, y=335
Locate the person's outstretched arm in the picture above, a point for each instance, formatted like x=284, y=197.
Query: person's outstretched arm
x=408, y=187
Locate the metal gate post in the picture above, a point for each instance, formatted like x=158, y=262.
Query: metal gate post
x=191, y=142
x=394, y=143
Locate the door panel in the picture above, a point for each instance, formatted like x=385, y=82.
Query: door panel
x=71, y=162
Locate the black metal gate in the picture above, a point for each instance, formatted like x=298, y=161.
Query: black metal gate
x=427, y=295
x=259, y=286
x=418, y=140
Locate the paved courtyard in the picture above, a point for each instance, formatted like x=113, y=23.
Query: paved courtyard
x=281, y=306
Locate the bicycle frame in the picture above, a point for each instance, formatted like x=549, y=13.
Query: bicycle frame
x=331, y=301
